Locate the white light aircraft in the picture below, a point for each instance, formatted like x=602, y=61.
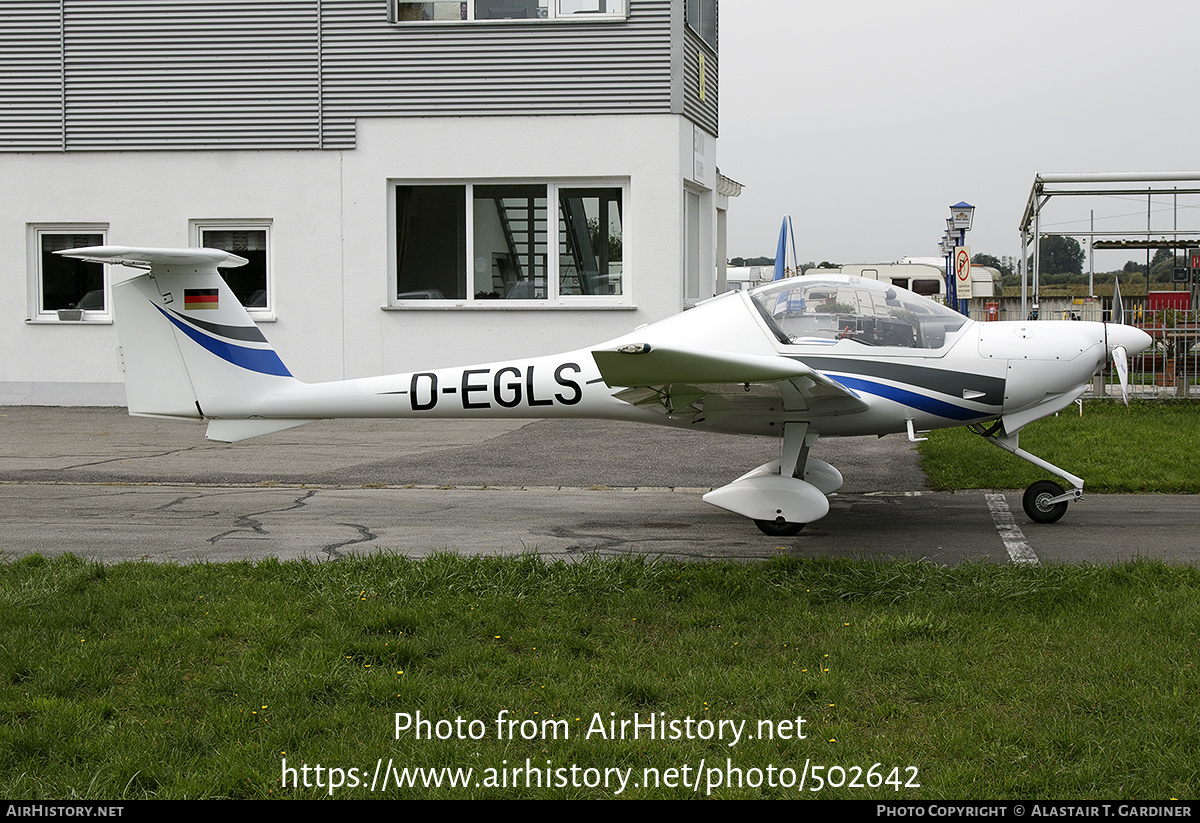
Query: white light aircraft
x=798, y=359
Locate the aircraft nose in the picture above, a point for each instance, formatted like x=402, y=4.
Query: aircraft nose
x=1134, y=340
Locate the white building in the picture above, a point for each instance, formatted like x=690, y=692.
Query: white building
x=416, y=184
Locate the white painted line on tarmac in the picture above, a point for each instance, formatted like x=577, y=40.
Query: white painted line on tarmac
x=1010, y=532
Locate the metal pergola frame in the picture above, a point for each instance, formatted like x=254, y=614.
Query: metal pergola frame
x=1100, y=184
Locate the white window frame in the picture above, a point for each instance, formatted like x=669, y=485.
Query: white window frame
x=36, y=314
x=561, y=11
x=196, y=228
x=553, y=300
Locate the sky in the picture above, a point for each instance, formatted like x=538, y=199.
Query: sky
x=865, y=120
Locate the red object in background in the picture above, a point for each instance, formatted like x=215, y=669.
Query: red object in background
x=1165, y=300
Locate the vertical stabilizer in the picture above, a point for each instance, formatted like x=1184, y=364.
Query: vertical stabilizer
x=189, y=349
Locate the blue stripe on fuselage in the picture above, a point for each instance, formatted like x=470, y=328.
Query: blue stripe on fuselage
x=909, y=398
x=263, y=361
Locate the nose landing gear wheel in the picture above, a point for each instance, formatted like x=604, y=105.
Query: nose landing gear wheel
x=1036, y=505
x=780, y=528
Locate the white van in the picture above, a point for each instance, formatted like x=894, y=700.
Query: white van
x=922, y=278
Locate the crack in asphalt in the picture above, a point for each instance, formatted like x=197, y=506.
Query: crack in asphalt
x=126, y=458
x=186, y=499
x=250, y=524
x=255, y=526
x=365, y=536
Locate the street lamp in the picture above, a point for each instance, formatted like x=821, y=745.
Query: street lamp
x=957, y=225
x=962, y=214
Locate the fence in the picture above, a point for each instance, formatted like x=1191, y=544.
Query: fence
x=1169, y=368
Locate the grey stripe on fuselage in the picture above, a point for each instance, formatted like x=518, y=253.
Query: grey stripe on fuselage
x=942, y=381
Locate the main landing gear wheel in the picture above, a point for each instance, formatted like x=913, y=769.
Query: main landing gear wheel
x=779, y=528
x=1036, y=505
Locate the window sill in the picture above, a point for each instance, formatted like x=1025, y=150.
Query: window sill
x=568, y=19
x=54, y=321
x=503, y=305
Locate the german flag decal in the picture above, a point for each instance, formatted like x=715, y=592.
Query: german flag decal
x=199, y=299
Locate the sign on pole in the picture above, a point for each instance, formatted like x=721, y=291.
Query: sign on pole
x=962, y=271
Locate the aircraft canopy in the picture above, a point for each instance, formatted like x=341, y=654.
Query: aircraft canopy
x=825, y=309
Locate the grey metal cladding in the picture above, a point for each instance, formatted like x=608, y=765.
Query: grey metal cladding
x=503, y=67
x=295, y=74
x=146, y=74
x=30, y=76
x=699, y=110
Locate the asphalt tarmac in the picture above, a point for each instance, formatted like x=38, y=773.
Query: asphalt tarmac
x=101, y=484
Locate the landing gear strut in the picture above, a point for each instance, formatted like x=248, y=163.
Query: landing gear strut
x=783, y=495
x=1044, y=501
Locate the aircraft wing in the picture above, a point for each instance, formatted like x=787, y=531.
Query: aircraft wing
x=719, y=384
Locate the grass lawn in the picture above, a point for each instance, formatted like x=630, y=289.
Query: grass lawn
x=1151, y=447
x=522, y=678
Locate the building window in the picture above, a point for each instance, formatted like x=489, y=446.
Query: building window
x=406, y=12
x=589, y=233
x=510, y=9
x=453, y=11
x=509, y=233
x=251, y=283
x=702, y=19
x=431, y=242
x=491, y=241
x=609, y=7
x=65, y=288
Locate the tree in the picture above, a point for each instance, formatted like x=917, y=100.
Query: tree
x=1162, y=267
x=1059, y=255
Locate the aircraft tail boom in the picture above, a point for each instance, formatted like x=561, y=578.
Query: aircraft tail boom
x=191, y=351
